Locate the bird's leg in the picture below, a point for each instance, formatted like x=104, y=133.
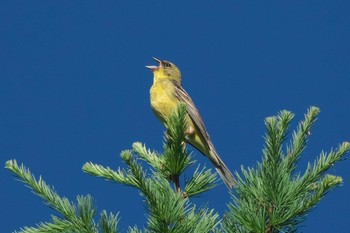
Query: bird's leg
x=190, y=131
x=183, y=144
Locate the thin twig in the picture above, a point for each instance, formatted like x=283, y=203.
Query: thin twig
x=176, y=181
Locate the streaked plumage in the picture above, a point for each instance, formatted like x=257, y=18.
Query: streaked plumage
x=165, y=94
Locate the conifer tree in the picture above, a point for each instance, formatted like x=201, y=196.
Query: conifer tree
x=270, y=197
x=273, y=197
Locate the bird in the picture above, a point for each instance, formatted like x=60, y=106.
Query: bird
x=165, y=95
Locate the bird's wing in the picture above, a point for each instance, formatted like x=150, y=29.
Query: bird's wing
x=182, y=96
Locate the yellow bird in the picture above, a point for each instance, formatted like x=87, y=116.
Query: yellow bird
x=166, y=93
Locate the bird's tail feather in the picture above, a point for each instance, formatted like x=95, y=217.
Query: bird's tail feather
x=224, y=172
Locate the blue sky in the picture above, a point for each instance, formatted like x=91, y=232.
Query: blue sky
x=73, y=89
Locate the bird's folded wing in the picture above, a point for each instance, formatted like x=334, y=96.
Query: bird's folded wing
x=182, y=96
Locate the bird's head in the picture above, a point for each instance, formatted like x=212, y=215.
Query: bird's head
x=165, y=70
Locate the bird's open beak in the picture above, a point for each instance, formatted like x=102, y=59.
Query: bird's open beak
x=155, y=67
x=157, y=60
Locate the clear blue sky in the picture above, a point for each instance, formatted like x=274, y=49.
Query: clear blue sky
x=73, y=88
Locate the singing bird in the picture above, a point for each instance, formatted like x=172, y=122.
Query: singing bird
x=165, y=94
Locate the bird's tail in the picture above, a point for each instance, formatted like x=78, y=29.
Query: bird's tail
x=223, y=171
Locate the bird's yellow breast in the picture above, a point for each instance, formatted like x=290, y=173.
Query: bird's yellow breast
x=163, y=99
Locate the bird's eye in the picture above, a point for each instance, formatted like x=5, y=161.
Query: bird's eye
x=167, y=65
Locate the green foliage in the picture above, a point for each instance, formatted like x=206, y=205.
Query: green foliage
x=169, y=210
x=176, y=158
x=271, y=197
x=75, y=217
